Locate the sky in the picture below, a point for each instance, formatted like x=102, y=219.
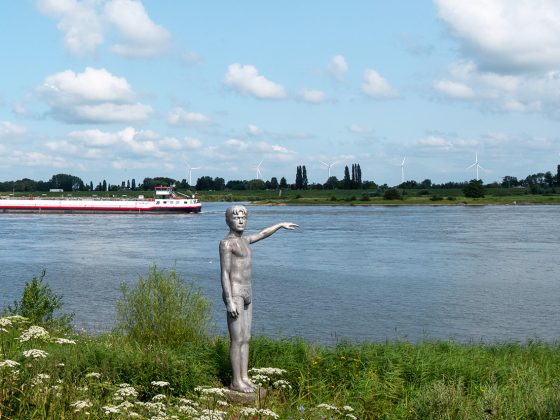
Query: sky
x=122, y=89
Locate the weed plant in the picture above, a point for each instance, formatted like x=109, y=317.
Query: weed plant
x=131, y=373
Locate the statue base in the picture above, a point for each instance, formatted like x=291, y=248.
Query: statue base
x=244, y=397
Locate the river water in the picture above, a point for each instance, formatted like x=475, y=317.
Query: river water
x=485, y=273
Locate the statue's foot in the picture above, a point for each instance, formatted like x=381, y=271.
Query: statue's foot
x=241, y=387
x=250, y=384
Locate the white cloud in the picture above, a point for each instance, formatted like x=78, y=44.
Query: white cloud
x=193, y=143
x=377, y=87
x=84, y=24
x=519, y=93
x=454, y=89
x=507, y=36
x=141, y=36
x=10, y=130
x=312, y=96
x=237, y=144
x=246, y=80
x=171, y=143
x=435, y=142
x=41, y=159
x=180, y=116
x=78, y=21
x=106, y=113
x=92, y=96
x=91, y=85
x=337, y=67
x=254, y=130
x=358, y=129
x=94, y=137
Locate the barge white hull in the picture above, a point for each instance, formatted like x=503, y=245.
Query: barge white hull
x=175, y=205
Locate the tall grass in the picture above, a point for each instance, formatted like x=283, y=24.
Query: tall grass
x=163, y=308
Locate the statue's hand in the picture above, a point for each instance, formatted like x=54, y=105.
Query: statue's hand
x=289, y=225
x=232, y=309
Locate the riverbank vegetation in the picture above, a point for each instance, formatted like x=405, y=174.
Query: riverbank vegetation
x=154, y=366
x=539, y=188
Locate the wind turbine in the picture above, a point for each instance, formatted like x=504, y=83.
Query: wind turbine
x=190, y=174
x=476, y=164
x=329, y=166
x=402, y=170
x=258, y=168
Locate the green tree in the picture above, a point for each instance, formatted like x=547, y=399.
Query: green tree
x=66, y=182
x=304, y=180
x=274, y=183
x=331, y=183
x=283, y=183
x=39, y=304
x=346, y=181
x=474, y=189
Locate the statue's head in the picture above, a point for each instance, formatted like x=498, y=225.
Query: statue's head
x=236, y=217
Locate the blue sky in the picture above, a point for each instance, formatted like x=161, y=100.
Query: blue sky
x=122, y=89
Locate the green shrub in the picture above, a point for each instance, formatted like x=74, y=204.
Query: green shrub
x=38, y=304
x=163, y=309
x=392, y=194
x=436, y=197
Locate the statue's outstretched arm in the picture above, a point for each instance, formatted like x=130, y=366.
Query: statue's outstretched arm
x=265, y=233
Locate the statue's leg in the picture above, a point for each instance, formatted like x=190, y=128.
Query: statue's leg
x=235, y=339
x=248, y=314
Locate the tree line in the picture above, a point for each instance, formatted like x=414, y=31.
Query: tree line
x=536, y=183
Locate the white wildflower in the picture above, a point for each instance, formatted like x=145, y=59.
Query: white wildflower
x=160, y=383
x=3, y=329
x=34, y=332
x=328, y=407
x=80, y=405
x=124, y=385
x=348, y=408
x=222, y=403
x=37, y=380
x=110, y=409
x=125, y=405
x=9, y=363
x=212, y=414
x=188, y=410
x=64, y=341
x=61, y=364
x=155, y=406
x=35, y=353
x=281, y=383
x=187, y=401
x=132, y=414
x=95, y=375
x=260, y=379
x=125, y=392
x=270, y=371
x=219, y=392
x=159, y=397
x=17, y=318
x=351, y=416
x=5, y=322
x=261, y=412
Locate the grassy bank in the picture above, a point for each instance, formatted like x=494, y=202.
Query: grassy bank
x=338, y=197
x=159, y=364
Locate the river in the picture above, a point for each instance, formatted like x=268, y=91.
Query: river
x=468, y=273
